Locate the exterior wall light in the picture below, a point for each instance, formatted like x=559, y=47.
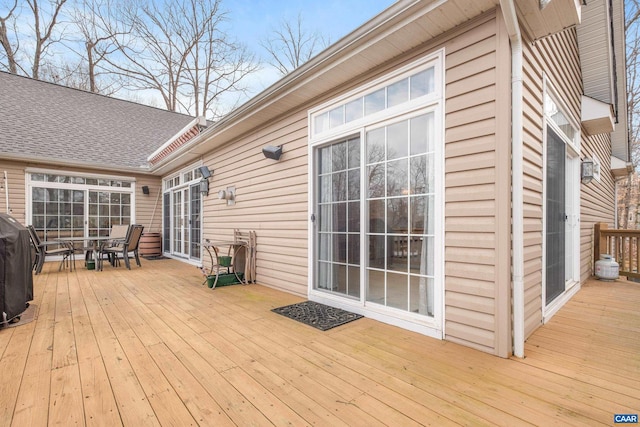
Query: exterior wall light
x=229, y=195
x=271, y=152
x=586, y=171
x=204, y=184
x=204, y=187
x=205, y=172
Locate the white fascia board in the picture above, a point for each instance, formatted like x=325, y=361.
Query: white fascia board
x=596, y=116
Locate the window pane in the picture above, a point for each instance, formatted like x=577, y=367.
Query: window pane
x=353, y=110
x=324, y=275
x=374, y=102
x=418, y=175
x=336, y=117
x=324, y=160
x=397, y=180
x=398, y=93
x=397, y=141
x=38, y=194
x=321, y=122
x=421, y=134
x=325, y=188
x=421, y=295
x=376, y=216
x=376, y=251
x=397, y=215
x=375, y=286
x=354, y=184
x=324, y=250
x=422, y=83
x=340, y=248
x=376, y=180
x=353, y=276
x=353, y=246
x=339, y=217
x=422, y=215
x=375, y=146
x=397, y=291
x=339, y=156
x=354, y=153
x=324, y=220
x=339, y=186
x=353, y=223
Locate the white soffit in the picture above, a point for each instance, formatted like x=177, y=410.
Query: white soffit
x=620, y=168
x=597, y=117
x=541, y=19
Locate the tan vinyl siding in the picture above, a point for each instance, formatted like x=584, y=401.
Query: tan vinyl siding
x=16, y=189
x=271, y=198
x=149, y=207
x=557, y=57
x=477, y=189
x=597, y=202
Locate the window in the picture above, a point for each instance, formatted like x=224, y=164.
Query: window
x=74, y=205
x=416, y=85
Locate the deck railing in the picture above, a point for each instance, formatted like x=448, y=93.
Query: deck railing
x=622, y=245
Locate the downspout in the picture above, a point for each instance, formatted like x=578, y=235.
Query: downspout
x=517, y=209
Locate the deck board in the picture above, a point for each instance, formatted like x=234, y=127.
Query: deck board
x=152, y=346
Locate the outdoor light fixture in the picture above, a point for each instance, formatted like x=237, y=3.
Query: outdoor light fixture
x=587, y=170
x=205, y=172
x=229, y=195
x=204, y=184
x=204, y=187
x=271, y=152
x=145, y=189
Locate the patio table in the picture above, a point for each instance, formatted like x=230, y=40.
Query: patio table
x=93, y=247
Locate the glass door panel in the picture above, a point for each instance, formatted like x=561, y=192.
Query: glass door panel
x=400, y=199
x=556, y=216
x=182, y=220
x=195, y=223
x=178, y=226
x=338, y=223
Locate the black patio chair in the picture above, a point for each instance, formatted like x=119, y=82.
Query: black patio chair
x=43, y=249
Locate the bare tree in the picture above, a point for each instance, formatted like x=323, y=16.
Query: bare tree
x=44, y=34
x=9, y=49
x=178, y=50
x=632, y=30
x=291, y=45
x=43, y=23
x=98, y=24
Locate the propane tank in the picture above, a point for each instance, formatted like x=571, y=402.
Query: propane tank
x=607, y=268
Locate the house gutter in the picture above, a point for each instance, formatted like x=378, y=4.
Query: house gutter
x=517, y=209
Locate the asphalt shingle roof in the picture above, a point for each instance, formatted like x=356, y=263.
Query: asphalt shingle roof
x=42, y=120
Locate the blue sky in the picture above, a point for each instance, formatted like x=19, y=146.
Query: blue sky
x=251, y=21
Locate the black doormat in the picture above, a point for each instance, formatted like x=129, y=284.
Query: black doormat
x=319, y=316
x=153, y=257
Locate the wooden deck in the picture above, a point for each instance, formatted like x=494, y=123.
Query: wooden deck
x=151, y=346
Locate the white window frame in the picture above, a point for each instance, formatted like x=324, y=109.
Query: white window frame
x=431, y=326
x=29, y=184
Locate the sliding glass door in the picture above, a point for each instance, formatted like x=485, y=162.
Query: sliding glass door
x=375, y=202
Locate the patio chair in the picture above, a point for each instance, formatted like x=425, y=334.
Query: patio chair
x=117, y=236
x=130, y=244
x=42, y=250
